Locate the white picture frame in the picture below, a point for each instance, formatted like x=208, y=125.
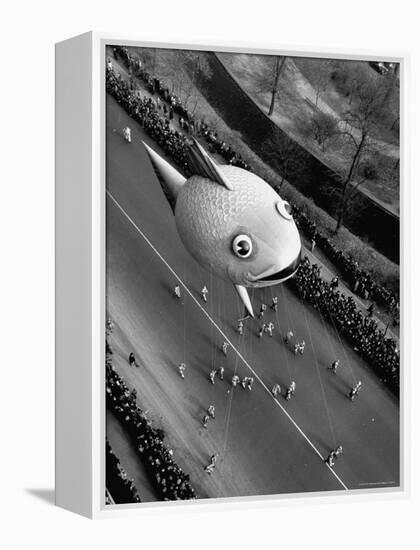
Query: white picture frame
x=80, y=279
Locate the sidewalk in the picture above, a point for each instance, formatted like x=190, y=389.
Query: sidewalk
x=118, y=66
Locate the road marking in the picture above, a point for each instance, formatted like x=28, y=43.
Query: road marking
x=299, y=429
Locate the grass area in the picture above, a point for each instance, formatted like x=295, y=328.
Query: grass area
x=305, y=88
x=334, y=77
x=168, y=65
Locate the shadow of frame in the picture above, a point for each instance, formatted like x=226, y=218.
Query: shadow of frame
x=47, y=495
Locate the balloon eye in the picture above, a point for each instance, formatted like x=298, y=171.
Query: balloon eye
x=242, y=246
x=284, y=209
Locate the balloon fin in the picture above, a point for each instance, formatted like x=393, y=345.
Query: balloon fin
x=170, y=179
x=203, y=165
x=244, y=296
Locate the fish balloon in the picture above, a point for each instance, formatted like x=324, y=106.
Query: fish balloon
x=231, y=221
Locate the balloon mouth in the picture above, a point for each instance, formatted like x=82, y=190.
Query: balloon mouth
x=284, y=273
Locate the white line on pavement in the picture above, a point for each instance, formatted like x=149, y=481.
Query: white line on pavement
x=226, y=338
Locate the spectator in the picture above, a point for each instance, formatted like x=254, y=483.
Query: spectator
x=168, y=478
x=341, y=310
x=132, y=360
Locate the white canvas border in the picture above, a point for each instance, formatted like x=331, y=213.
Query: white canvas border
x=97, y=405
x=273, y=500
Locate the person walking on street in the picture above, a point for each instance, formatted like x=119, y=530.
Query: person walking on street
x=212, y=463
x=177, y=292
x=290, y=391
x=205, y=420
x=334, y=366
x=330, y=460
x=274, y=303
x=211, y=411
x=132, y=360
x=288, y=337
x=225, y=346
x=127, y=134
x=213, y=376
x=276, y=390
x=235, y=380
x=221, y=372
x=269, y=328
x=262, y=330
x=262, y=311
x=355, y=391
x=181, y=370
x=240, y=327
x=204, y=293
x=247, y=382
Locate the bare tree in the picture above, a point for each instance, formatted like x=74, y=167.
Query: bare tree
x=348, y=182
x=323, y=127
x=322, y=78
x=356, y=128
x=148, y=58
x=280, y=61
x=288, y=157
x=182, y=72
x=391, y=83
x=268, y=81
